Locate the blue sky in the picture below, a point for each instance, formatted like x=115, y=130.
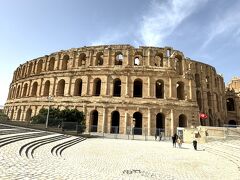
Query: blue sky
x=204, y=30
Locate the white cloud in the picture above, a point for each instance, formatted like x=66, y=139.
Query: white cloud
x=227, y=23
x=164, y=17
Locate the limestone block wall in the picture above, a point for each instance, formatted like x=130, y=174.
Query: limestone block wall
x=120, y=86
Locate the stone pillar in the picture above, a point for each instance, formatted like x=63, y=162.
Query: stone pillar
x=107, y=86
x=53, y=92
x=126, y=122
x=149, y=122
x=40, y=88
x=127, y=88
x=29, y=89
x=149, y=58
x=104, y=120
x=190, y=89
x=170, y=87
x=172, y=122
x=149, y=87
x=69, y=86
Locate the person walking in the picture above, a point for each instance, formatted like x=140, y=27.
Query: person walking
x=195, y=144
x=174, y=139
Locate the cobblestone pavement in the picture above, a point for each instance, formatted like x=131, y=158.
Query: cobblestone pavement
x=111, y=159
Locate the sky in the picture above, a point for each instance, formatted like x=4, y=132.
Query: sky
x=204, y=30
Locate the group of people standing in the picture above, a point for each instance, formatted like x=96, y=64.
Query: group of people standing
x=177, y=140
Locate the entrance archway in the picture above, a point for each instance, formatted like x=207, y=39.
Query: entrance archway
x=19, y=115
x=28, y=115
x=138, y=123
x=232, y=123
x=115, y=122
x=182, y=121
x=94, y=121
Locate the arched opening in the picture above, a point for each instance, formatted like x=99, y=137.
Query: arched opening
x=137, y=124
x=197, y=80
x=19, y=114
x=209, y=97
x=39, y=66
x=178, y=61
x=207, y=81
x=117, y=87
x=46, y=88
x=159, y=89
x=118, y=58
x=18, y=91
x=137, y=89
x=136, y=61
x=30, y=68
x=219, y=123
x=25, y=90
x=182, y=121
x=232, y=123
x=94, y=121
x=97, y=87
x=23, y=71
x=65, y=62
x=51, y=64
x=82, y=60
x=180, y=90
x=12, y=113
x=60, y=88
x=160, y=121
x=13, y=92
x=115, y=122
x=230, y=104
x=199, y=99
x=28, y=115
x=158, y=60
x=78, y=87
x=34, y=89
x=99, y=59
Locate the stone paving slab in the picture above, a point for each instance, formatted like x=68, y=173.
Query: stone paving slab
x=115, y=159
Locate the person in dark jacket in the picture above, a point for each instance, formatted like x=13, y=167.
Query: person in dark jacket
x=195, y=144
x=174, y=139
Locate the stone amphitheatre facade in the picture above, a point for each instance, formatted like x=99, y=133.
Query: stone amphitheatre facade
x=120, y=86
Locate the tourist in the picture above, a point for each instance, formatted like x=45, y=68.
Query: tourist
x=195, y=144
x=174, y=139
x=179, y=141
x=160, y=136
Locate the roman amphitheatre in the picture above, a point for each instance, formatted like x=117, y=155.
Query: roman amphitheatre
x=120, y=86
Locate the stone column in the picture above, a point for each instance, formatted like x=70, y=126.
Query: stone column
x=53, y=92
x=149, y=122
x=149, y=58
x=40, y=88
x=172, y=122
x=126, y=122
x=170, y=87
x=104, y=119
x=127, y=88
x=149, y=87
x=29, y=89
x=69, y=86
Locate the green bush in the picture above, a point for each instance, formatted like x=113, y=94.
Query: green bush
x=56, y=117
x=3, y=117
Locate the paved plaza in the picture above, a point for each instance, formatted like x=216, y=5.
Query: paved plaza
x=32, y=154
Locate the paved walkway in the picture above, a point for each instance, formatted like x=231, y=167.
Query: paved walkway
x=110, y=159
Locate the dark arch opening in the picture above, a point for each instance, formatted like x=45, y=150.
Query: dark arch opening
x=78, y=87
x=159, y=89
x=178, y=62
x=19, y=114
x=25, y=90
x=18, y=91
x=99, y=59
x=115, y=122
x=60, y=88
x=82, y=59
x=65, y=62
x=117, y=87
x=94, y=121
x=182, y=122
x=39, y=66
x=138, y=123
x=180, y=90
x=11, y=116
x=232, y=123
x=46, y=88
x=160, y=121
x=230, y=104
x=137, y=89
x=30, y=69
x=97, y=87
x=34, y=89
x=51, y=64
x=28, y=115
x=197, y=80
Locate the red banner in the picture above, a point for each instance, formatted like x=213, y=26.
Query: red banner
x=203, y=116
